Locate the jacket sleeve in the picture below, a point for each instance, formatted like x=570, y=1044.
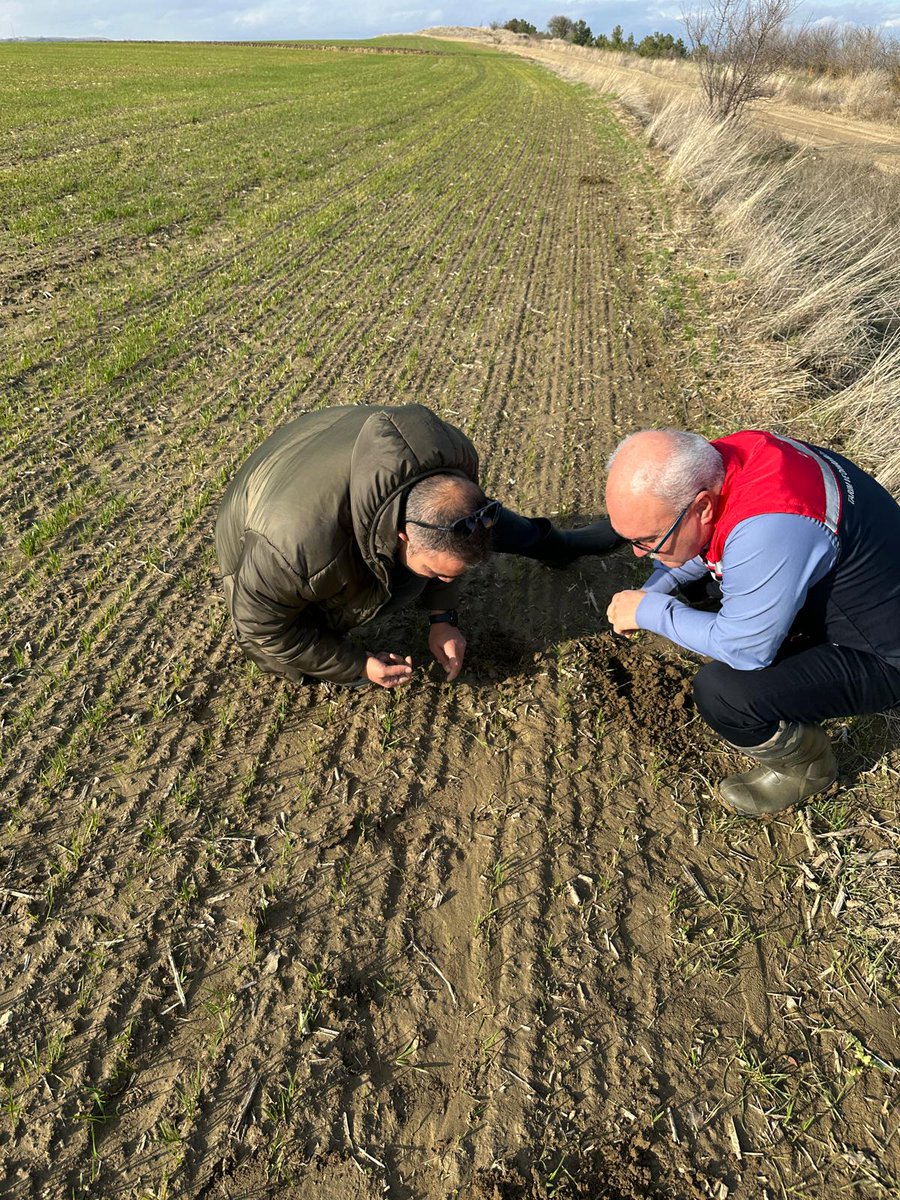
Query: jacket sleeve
x=277, y=625
x=769, y=563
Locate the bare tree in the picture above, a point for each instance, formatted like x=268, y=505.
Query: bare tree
x=561, y=27
x=736, y=44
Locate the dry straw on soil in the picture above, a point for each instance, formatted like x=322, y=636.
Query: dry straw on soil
x=300, y=942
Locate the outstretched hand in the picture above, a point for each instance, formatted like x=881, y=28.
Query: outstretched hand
x=448, y=646
x=388, y=670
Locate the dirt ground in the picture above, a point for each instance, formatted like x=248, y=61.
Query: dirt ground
x=494, y=940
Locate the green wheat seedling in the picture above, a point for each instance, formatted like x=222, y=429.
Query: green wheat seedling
x=188, y=1092
x=496, y=877
x=13, y=1105
x=219, y=1006
x=318, y=993
x=95, y=1115
x=278, y=1111
x=719, y=932
x=279, y=1104
x=406, y=1058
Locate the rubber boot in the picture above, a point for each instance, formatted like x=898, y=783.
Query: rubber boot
x=796, y=763
x=559, y=548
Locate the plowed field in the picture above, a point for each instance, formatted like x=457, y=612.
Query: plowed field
x=487, y=940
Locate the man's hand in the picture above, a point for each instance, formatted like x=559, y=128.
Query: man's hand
x=622, y=611
x=388, y=670
x=448, y=646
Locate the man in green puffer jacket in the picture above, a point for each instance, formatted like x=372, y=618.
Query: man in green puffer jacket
x=346, y=512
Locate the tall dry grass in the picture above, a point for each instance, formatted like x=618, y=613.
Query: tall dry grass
x=870, y=95
x=871, y=408
x=852, y=85
x=819, y=243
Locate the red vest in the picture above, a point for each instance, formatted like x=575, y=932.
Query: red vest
x=765, y=473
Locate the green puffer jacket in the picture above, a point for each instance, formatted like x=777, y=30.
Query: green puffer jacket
x=306, y=534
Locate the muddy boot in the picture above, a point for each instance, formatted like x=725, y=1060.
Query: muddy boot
x=558, y=548
x=795, y=764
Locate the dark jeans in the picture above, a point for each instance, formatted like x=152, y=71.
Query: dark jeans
x=514, y=533
x=806, y=683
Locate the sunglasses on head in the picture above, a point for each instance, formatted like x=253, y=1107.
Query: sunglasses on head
x=486, y=517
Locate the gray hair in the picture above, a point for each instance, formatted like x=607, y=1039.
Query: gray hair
x=441, y=500
x=692, y=466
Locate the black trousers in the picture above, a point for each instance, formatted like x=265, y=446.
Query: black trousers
x=807, y=683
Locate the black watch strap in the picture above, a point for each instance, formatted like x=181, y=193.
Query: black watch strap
x=450, y=617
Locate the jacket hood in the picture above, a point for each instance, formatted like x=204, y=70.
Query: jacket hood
x=395, y=448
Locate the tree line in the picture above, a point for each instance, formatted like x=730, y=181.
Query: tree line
x=579, y=33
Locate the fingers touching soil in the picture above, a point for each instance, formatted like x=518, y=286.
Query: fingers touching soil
x=492, y=939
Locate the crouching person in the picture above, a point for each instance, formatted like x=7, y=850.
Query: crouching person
x=804, y=545
x=344, y=513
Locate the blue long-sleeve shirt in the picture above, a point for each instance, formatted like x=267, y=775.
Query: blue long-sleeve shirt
x=769, y=563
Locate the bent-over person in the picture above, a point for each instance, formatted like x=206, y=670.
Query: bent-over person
x=345, y=513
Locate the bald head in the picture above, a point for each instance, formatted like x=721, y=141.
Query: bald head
x=666, y=465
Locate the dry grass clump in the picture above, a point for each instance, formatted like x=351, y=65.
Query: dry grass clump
x=819, y=243
x=599, y=76
x=870, y=407
x=871, y=94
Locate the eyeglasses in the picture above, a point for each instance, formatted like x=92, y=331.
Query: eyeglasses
x=641, y=543
x=486, y=516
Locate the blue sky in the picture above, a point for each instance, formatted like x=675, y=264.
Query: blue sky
x=261, y=19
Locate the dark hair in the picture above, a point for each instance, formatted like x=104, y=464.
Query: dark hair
x=441, y=500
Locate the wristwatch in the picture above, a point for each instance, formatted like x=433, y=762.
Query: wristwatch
x=450, y=617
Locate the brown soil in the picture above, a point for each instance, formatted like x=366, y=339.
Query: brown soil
x=493, y=941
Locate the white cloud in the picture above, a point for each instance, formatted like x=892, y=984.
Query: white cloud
x=252, y=17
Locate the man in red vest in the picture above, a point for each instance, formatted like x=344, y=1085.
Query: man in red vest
x=805, y=547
